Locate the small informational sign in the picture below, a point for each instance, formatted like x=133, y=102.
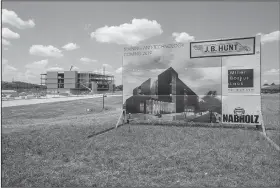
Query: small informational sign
x=225, y=47
x=240, y=78
x=238, y=109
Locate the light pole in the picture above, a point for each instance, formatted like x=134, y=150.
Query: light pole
x=103, y=99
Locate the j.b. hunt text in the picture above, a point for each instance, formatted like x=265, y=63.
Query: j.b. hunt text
x=228, y=47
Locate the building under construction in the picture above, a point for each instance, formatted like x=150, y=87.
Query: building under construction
x=75, y=82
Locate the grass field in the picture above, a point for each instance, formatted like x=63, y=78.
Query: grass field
x=271, y=115
x=48, y=145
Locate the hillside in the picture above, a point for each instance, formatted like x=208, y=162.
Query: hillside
x=18, y=86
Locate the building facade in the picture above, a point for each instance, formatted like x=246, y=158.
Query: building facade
x=167, y=94
x=75, y=82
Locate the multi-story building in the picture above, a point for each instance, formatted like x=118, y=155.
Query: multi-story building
x=168, y=94
x=75, y=82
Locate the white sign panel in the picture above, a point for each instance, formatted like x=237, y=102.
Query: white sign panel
x=242, y=74
x=241, y=88
x=226, y=47
x=239, y=109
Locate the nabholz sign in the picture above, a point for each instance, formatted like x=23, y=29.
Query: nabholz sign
x=238, y=109
x=223, y=47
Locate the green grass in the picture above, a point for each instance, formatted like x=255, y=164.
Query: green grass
x=271, y=111
x=52, y=149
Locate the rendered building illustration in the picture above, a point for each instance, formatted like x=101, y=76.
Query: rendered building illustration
x=75, y=82
x=167, y=94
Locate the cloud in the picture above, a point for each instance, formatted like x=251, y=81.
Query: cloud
x=8, y=71
x=272, y=72
x=107, y=66
x=182, y=37
x=55, y=69
x=157, y=70
x=41, y=63
x=270, y=37
x=128, y=33
x=119, y=70
x=5, y=42
x=101, y=71
x=4, y=61
x=87, y=60
x=9, y=68
x=70, y=46
x=7, y=33
x=45, y=51
x=75, y=68
x=10, y=17
x=34, y=69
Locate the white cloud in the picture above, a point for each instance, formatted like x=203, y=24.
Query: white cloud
x=5, y=42
x=157, y=70
x=7, y=33
x=270, y=37
x=100, y=71
x=87, y=60
x=34, y=69
x=45, y=51
x=37, y=67
x=9, y=68
x=119, y=70
x=211, y=73
x=75, y=68
x=70, y=46
x=128, y=33
x=4, y=61
x=182, y=37
x=10, y=17
x=107, y=66
x=272, y=72
x=55, y=69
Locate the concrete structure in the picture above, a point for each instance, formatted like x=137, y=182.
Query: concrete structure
x=76, y=82
x=167, y=94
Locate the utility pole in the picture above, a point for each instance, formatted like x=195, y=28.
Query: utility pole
x=103, y=100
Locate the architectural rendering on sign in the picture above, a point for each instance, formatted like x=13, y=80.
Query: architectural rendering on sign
x=164, y=86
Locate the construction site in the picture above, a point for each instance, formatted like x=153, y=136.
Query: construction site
x=74, y=82
x=58, y=86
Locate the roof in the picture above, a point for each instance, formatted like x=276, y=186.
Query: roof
x=169, y=69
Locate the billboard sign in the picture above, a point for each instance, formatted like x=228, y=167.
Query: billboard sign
x=162, y=83
x=224, y=47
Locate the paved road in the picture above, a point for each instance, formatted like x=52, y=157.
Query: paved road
x=47, y=100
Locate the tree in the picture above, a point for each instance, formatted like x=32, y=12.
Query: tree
x=211, y=102
x=266, y=84
x=273, y=84
x=120, y=87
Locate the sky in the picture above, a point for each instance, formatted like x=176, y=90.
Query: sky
x=41, y=36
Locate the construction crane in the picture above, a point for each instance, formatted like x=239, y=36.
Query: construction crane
x=71, y=67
